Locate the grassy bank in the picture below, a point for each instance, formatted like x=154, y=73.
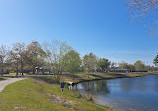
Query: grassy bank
x=36, y=94
x=43, y=93
x=82, y=77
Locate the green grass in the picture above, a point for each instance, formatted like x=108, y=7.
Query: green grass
x=37, y=95
x=43, y=94
x=13, y=73
x=81, y=77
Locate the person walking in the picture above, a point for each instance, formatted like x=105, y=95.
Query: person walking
x=62, y=86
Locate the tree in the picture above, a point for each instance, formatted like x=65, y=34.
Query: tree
x=103, y=64
x=142, y=7
x=3, y=57
x=72, y=61
x=113, y=66
x=126, y=66
x=156, y=60
x=131, y=67
x=139, y=65
x=18, y=54
x=89, y=62
x=55, y=52
x=35, y=56
x=123, y=65
x=139, y=8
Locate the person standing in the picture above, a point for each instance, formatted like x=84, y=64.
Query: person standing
x=62, y=86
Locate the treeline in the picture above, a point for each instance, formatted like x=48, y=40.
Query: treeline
x=57, y=57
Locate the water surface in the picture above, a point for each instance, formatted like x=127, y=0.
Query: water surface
x=126, y=94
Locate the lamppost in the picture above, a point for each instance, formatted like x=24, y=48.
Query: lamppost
x=17, y=58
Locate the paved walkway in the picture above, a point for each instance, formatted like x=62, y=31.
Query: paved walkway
x=4, y=83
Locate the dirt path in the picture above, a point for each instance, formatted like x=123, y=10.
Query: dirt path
x=4, y=83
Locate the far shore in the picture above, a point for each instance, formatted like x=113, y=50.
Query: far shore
x=82, y=77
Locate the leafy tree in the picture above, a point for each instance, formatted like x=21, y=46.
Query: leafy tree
x=103, y=64
x=123, y=65
x=156, y=60
x=139, y=65
x=35, y=56
x=131, y=67
x=127, y=66
x=89, y=62
x=3, y=57
x=72, y=61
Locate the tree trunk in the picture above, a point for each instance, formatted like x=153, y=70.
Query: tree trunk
x=22, y=71
x=17, y=71
x=33, y=71
x=2, y=71
x=88, y=74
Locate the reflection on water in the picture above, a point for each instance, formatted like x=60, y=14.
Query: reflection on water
x=127, y=94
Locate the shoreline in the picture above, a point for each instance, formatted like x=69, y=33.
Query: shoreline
x=47, y=88
x=106, y=76
x=110, y=78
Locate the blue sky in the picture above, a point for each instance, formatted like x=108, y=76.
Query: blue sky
x=99, y=26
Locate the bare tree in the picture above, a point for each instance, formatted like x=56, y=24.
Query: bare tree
x=113, y=66
x=139, y=8
x=18, y=53
x=55, y=51
x=142, y=7
x=3, y=57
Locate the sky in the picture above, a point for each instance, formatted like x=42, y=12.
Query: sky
x=102, y=27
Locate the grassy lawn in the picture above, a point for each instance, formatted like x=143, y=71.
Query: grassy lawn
x=43, y=94
x=14, y=74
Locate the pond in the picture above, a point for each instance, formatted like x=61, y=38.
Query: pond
x=126, y=94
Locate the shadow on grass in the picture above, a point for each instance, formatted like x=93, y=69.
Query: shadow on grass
x=2, y=79
x=106, y=76
x=75, y=77
x=119, y=75
x=98, y=76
